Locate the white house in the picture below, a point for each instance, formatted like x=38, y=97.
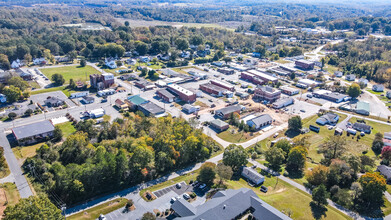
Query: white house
x=79, y=94
x=378, y=88
x=350, y=77
x=338, y=74
x=3, y=98
x=16, y=64
x=39, y=61
x=260, y=121
x=185, y=54
x=131, y=62
x=252, y=175
x=145, y=59
x=363, y=80
x=109, y=62
x=97, y=113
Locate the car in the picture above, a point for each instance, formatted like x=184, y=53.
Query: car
x=202, y=186
x=210, y=100
x=263, y=189
x=213, y=105
x=103, y=100
x=275, y=135
x=173, y=199
x=309, y=95
x=102, y=217
x=195, y=183
x=186, y=196
x=178, y=185
x=302, y=110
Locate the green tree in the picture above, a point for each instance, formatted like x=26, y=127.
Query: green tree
x=296, y=159
x=28, y=112
x=33, y=208
x=207, y=173
x=275, y=157
x=181, y=44
x=224, y=172
x=57, y=134
x=4, y=62
x=144, y=72
x=378, y=144
x=148, y=216
x=317, y=175
x=333, y=147
x=235, y=156
x=320, y=195
x=83, y=63
x=18, y=82
x=12, y=115
x=126, y=23
x=295, y=124
x=354, y=90
x=141, y=48
x=12, y=93
x=72, y=84
x=284, y=145
x=58, y=79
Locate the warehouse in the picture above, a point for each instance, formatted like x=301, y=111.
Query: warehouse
x=212, y=89
x=223, y=85
x=32, y=133
x=305, y=64
x=184, y=94
x=165, y=95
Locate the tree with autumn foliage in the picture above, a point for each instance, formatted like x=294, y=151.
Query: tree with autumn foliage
x=373, y=187
x=318, y=175
x=296, y=160
x=386, y=153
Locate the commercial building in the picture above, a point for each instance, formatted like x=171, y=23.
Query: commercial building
x=267, y=93
x=151, y=109
x=289, y=90
x=328, y=118
x=189, y=109
x=121, y=104
x=224, y=85
x=144, y=84
x=305, y=64
x=97, y=113
x=32, y=133
x=184, y=94
x=212, y=89
x=260, y=121
x=165, y=95
x=219, y=125
x=226, y=71
x=228, y=204
x=224, y=113
x=134, y=101
x=331, y=96
x=362, y=108
x=88, y=99
x=252, y=176
x=283, y=102
x=53, y=102
x=308, y=82
x=101, y=81
x=106, y=92
x=79, y=94
x=258, y=77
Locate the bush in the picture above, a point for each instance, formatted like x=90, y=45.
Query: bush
x=286, y=173
x=129, y=203
x=12, y=115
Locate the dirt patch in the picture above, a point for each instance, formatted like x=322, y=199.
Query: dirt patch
x=280, y=190
x=3, y=202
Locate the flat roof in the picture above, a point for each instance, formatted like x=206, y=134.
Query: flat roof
x=136, y=99
x=180, y=89
x=166, y=93
x=262, y=75
x=223, y=84
x=305, y=62
x=213, y=87
x=363, y=106
x=33, y=129
x=152, y=108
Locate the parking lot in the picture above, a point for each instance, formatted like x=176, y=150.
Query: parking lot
x=179, y=191
x=40, y=98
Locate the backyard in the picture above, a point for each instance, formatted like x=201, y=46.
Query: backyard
x=71, y=72
x=233, y=135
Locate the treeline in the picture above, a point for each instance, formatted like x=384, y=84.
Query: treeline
x=99, y=160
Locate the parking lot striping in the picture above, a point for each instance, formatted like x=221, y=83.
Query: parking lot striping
x=161, y=192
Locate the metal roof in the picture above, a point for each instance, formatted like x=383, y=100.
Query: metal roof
x=152, y=108
x=33, y=129
x=229, y=109
x=218, y=123
x=262, y=119
x=136, y=100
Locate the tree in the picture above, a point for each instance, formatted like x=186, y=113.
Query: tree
x=57, y=134
x=12, y=115
x=196, y=40
x=58, y=79
x=4, y=62
x=340, y=174
x=295, y=124
x=18, y=82
x=224, y=172
x=261, y=50
x=377, y=144
x=296, y=159
x=317, y=175
x=354, y=90
x=12, y=93
x=207, y=173
x=386, y=153
x=373, y=187
x=28, y=112
x=227, y=59
x=284, y=145
x=181, y=44
x=144, y=72
x=332, y=148
x=72, y=55
x=319, y=195
x=83, y=63
x=235, y=156
x=72, y=84
x=26, y=94
x=33, y=207
x=275, y=157
x=148, y=216
x=141, y=48
x=126, y=23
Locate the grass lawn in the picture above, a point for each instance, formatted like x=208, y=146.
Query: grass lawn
x=5, y=172
x=94, y=212
x=237, y=136
x=187, y=177
x=282, y=61
x=331, y=69
x=373, y=92
x=67, y=128
x=34, y=84
x=64, y=89
x=11, y=193
x=286, y=198
x=71, y=72
x=26, y=151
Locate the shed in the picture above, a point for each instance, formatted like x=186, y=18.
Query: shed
x=252, y=175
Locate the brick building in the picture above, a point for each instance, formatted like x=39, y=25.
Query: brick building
x=267, y=93
x=101, y=81
x=184, y=94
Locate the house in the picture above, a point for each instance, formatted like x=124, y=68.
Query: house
x=185, y=54
x=228, y=204
x=387, y=139
x=189, y=109
x=328, y=118
x=25, y=75
x=110, y=63
x=267, y=93
x=54, y=102
x=338, y=74
x=3, y=98
x=131, y=62
x=79, y=94
x=260, y=121
x=226, y=112
x=289, y=90
x=362, y=108
x=32, y=133
x=305, y=64
x=151, y=109
x=219, y=125
x=62, y=59
x=362, y=127
x=212, y=89
x=134, y=101
x=283, y=102
x=16, y=64
x=363, y=81
x=184, y=94
x=39, y=61
x=165, y=95
x=87, y=99
x=121, y=104
x=378, y=88
x=252, y=176
x=101, y=81
x=350, y=77
x=164, y=57
x=97, y=113
x=218, y=63
x=386, y=172
x=145, y=59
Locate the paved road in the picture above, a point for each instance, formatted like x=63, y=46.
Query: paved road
x=16, y=172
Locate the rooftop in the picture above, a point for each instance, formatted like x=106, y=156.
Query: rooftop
x=166, y=93
x=136, y=100
x=33, y=129
x=180, y=89
x=218, y=123
x=363, y=106
x=262, y=75
x=152, y=108
x=229, y=109
x=262, y=119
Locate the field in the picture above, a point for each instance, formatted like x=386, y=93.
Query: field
x=9, y=195
x=237, y=136
x=64, y=89
x=26, y=151
x=67, y=129
x=71, y=72
x=94, y=212
x=286, y=198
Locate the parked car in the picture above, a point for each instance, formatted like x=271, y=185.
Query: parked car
x=173, y=199
x=186, y=196
x=102, y=217
x=103, y=100
x=309, y=95
x=195, y=183
x=302, y=110
x=263, y=189
x=202, y=186
x=178, y=185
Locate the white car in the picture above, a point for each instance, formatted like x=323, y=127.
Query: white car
x=173, y=199
x=102, y=217
x=186, y=196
